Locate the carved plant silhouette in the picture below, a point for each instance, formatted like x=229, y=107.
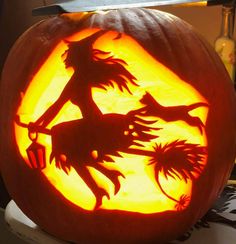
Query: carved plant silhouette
x=177, y=159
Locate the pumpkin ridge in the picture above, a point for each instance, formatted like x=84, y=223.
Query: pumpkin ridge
x=165, y=37
x=180, y=36
x=148, y=19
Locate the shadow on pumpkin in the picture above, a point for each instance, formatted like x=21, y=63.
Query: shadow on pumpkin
x=96, y=137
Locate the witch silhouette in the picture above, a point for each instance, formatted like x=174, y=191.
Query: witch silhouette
x=96, y=137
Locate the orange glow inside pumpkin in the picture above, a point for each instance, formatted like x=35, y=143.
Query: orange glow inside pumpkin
x=139, y=191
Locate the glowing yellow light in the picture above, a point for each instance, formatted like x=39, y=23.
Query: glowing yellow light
x=139, y=191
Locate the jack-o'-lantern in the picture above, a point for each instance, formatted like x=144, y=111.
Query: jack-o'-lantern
x=116, y=126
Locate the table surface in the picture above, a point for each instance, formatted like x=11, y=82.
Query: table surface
x=6, y=237
x=218, y=226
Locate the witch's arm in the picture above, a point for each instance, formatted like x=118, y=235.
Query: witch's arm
x=50, y=113
x=54, y=109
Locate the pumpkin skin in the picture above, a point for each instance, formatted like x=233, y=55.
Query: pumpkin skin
x=175, y=45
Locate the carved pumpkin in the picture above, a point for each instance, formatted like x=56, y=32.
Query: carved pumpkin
x=116, y=126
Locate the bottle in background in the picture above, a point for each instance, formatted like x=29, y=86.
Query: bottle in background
x=225, y=44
